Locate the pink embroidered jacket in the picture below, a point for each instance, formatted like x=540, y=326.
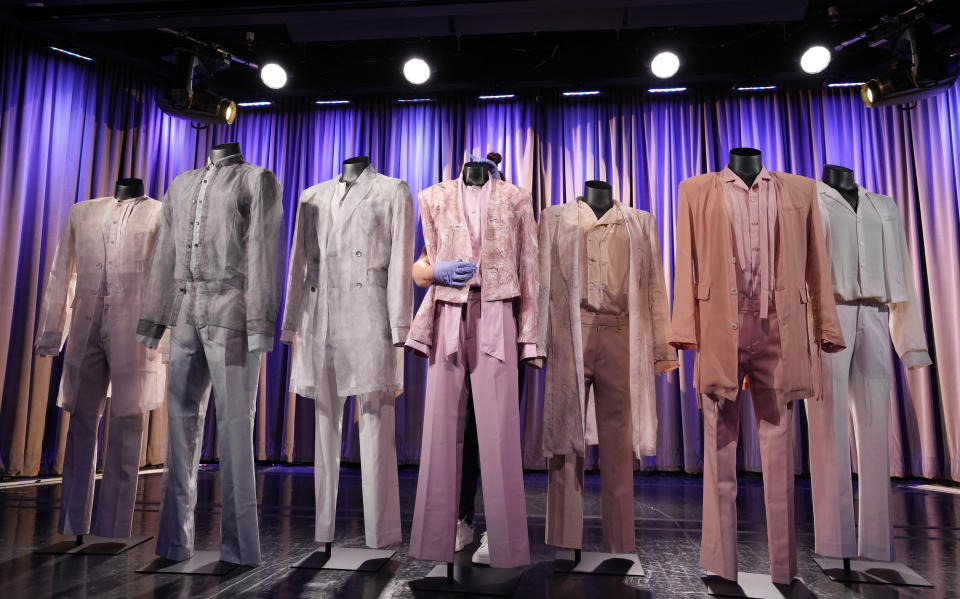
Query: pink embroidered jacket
x=508, y=263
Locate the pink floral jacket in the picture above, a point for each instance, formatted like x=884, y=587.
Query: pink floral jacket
x=508, y=264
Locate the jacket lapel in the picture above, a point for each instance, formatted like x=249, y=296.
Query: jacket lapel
x=832, y=195
x=357, y=192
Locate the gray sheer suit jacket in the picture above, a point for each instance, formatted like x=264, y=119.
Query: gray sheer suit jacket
x=217, y=255
x=350, y=288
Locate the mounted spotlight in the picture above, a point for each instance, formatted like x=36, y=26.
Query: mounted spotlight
x=665, y=65
x=416, y=71
x=273, y=75
x=195, y=103
x=815, y=59
x=917, y=71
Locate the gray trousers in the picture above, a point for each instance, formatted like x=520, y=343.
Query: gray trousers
x=118, y=489
x=200, y=356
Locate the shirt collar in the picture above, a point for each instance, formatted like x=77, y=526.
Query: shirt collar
x=610, y=217
x=728, y=176
x=231, y=159
x=483, y=188
x=137, y=198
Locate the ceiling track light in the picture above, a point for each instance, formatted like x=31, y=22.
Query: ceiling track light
x=196, y=103
x=416, y=71
x=665, y=65
x=815, y=59
x=273, y=75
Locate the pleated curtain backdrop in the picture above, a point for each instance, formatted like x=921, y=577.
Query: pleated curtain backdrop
x=68, y=130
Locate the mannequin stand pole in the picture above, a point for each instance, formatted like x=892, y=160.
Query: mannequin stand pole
x=598, y=562
x=866, y=571
x=755, y=586
x=346, y=558
x=93, y=545
x=450, y=578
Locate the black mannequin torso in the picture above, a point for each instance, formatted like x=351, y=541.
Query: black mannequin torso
x=127, y=189
x=352, y=167
x=224, y=150
x=841, y=179
x=599, y=196
x=475, y=173
x=746, y=163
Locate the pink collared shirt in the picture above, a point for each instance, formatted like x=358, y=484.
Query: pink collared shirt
x=475, y=200
x=753, y=219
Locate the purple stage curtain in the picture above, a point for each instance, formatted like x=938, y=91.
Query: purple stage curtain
x=69, y=129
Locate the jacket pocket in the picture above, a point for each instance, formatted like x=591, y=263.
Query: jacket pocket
x=703, y=292
x=377, y=277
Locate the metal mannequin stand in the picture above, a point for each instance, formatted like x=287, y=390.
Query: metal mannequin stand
x=598, y=562
x=755, y=586
x=93, y=545
x=866, y=571
x=358, y=559
x=201, y=563
x=450, y=578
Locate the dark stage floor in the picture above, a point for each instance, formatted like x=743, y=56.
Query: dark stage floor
x=668, y=525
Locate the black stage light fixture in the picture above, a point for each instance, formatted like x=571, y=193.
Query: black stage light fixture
x=196, y=103
x=918, y=69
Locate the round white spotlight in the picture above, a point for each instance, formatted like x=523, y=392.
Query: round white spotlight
x=665, y=65
x=273, y=75
x=416, y=71
x=815, y=59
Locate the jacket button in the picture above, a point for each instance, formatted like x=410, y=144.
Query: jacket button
x=733, y=292
x=733, y=326
x=359, y=253
x=313, y=289
x=359, y=284
x=182, y=290
x=733, y=260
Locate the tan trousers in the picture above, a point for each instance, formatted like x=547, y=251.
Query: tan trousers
x=606, y=368
x=758, y=357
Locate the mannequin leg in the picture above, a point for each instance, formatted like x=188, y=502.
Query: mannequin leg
x=433, y=532
x=328, y=415
x=188, y=391
x=235, y=373
x=828, y=418
x=615, y=435
x=721, y=427
x=121, y=469
x=494, y=386
x=378, y=468
x=80, y=456
x=870, y=403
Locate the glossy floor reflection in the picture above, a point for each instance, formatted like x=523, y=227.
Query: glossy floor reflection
x=668, y=534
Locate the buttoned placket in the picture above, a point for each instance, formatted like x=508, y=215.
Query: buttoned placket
x=199, y=214
x=116, y=223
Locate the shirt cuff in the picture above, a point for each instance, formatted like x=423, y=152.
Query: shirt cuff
x=528, y=351
x=416, y=346
x=258, y=343
x=149, y=342
x=916, y=358
x=287, y=337
x=665, y=366
x=400, y=335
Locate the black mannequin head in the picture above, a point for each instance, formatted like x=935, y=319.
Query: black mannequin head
x=599, y=196
x=224, y=150
x=128, y=188
x=476, y=173
x=352, y=167
x=842, y=179
x=746, y=163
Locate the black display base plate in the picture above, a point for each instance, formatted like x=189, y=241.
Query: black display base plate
x=755, y=586
x=358, y=559
x=500, y=582
x=94, y=545
x=598, y=562
x=204, y=563
x=866, y=571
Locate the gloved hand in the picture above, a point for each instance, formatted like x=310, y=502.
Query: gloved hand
x=453, y=273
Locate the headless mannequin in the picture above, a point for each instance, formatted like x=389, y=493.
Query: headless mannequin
x=746, y=163
x=352, y=167
x=127, y=189
x=841, y=179
x=475, y=173
x=599, y=196
x=224, y=150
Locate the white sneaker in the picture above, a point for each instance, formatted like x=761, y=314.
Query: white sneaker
x=482, y=554
x=464, y=535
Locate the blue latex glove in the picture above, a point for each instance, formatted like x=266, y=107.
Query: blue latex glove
x=453, y=273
